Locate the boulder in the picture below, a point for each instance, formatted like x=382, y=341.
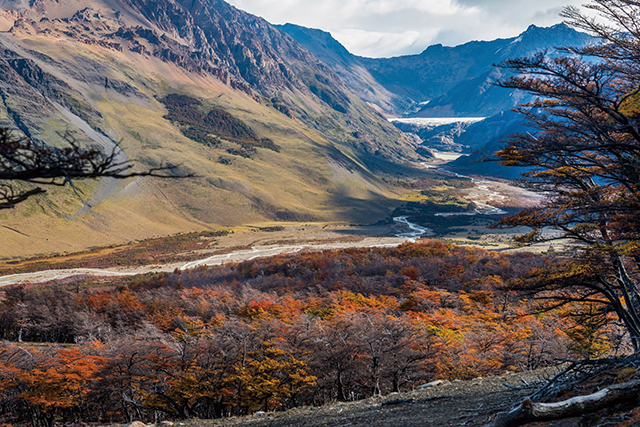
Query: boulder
x=431, y=384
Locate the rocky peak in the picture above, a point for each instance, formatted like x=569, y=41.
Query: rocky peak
x=210, y=36
x=544, y=38
x=321, y=43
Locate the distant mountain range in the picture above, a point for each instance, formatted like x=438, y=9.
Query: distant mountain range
x=446, y=82
x=441, y=81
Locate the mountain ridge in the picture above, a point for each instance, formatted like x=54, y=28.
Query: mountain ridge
x=348, y=66
x=101, y=71
x=440, y=73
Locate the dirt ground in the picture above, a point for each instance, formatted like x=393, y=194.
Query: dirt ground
x=458, y=403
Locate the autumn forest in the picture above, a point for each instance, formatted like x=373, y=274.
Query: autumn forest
x=279, y=332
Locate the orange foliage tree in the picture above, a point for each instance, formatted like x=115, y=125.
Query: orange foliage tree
x=268, y=377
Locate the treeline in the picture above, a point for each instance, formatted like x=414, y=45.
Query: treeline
x=274, y=333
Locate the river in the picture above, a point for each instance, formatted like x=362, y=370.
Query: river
x=219, y=259
x=415, y=231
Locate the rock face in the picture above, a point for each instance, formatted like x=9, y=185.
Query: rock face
x=208, y=36
x=349, y=67
x=307, y=149
x=213, y=34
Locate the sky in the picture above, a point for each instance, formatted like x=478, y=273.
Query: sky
x=384, y=28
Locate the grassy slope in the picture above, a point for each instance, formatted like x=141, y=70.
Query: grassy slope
x=310, y=178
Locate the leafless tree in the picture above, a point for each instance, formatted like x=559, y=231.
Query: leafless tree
x=24, y=160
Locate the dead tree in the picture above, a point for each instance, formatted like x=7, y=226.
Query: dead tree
x=529, y=412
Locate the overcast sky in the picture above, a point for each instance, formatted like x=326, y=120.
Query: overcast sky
x=382, y=28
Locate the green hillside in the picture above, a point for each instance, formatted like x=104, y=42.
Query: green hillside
x=259, y=153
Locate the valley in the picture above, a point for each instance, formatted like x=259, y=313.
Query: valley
x=300, y=226
x=245, y=243
x=293, y=137
x=298, y=147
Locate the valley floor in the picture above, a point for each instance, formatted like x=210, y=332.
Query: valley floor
x=220, y=257
x=249, y=242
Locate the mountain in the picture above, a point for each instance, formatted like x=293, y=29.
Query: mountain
x=269, y=131
x=475, y=93
x=439, y=136
x=448, y=82
x=348, y=66
x=441, y=81
x=483, y=139
x=474, y=97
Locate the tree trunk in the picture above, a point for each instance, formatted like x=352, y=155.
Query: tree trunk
x=341, y=390
x=529, y=412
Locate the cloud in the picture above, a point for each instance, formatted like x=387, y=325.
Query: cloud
x=379, y=28
x=371, y=43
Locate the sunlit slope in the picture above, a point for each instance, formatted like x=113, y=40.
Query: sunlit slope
x=321, y=170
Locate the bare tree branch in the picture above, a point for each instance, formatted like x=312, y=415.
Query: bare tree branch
x=24, y=160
